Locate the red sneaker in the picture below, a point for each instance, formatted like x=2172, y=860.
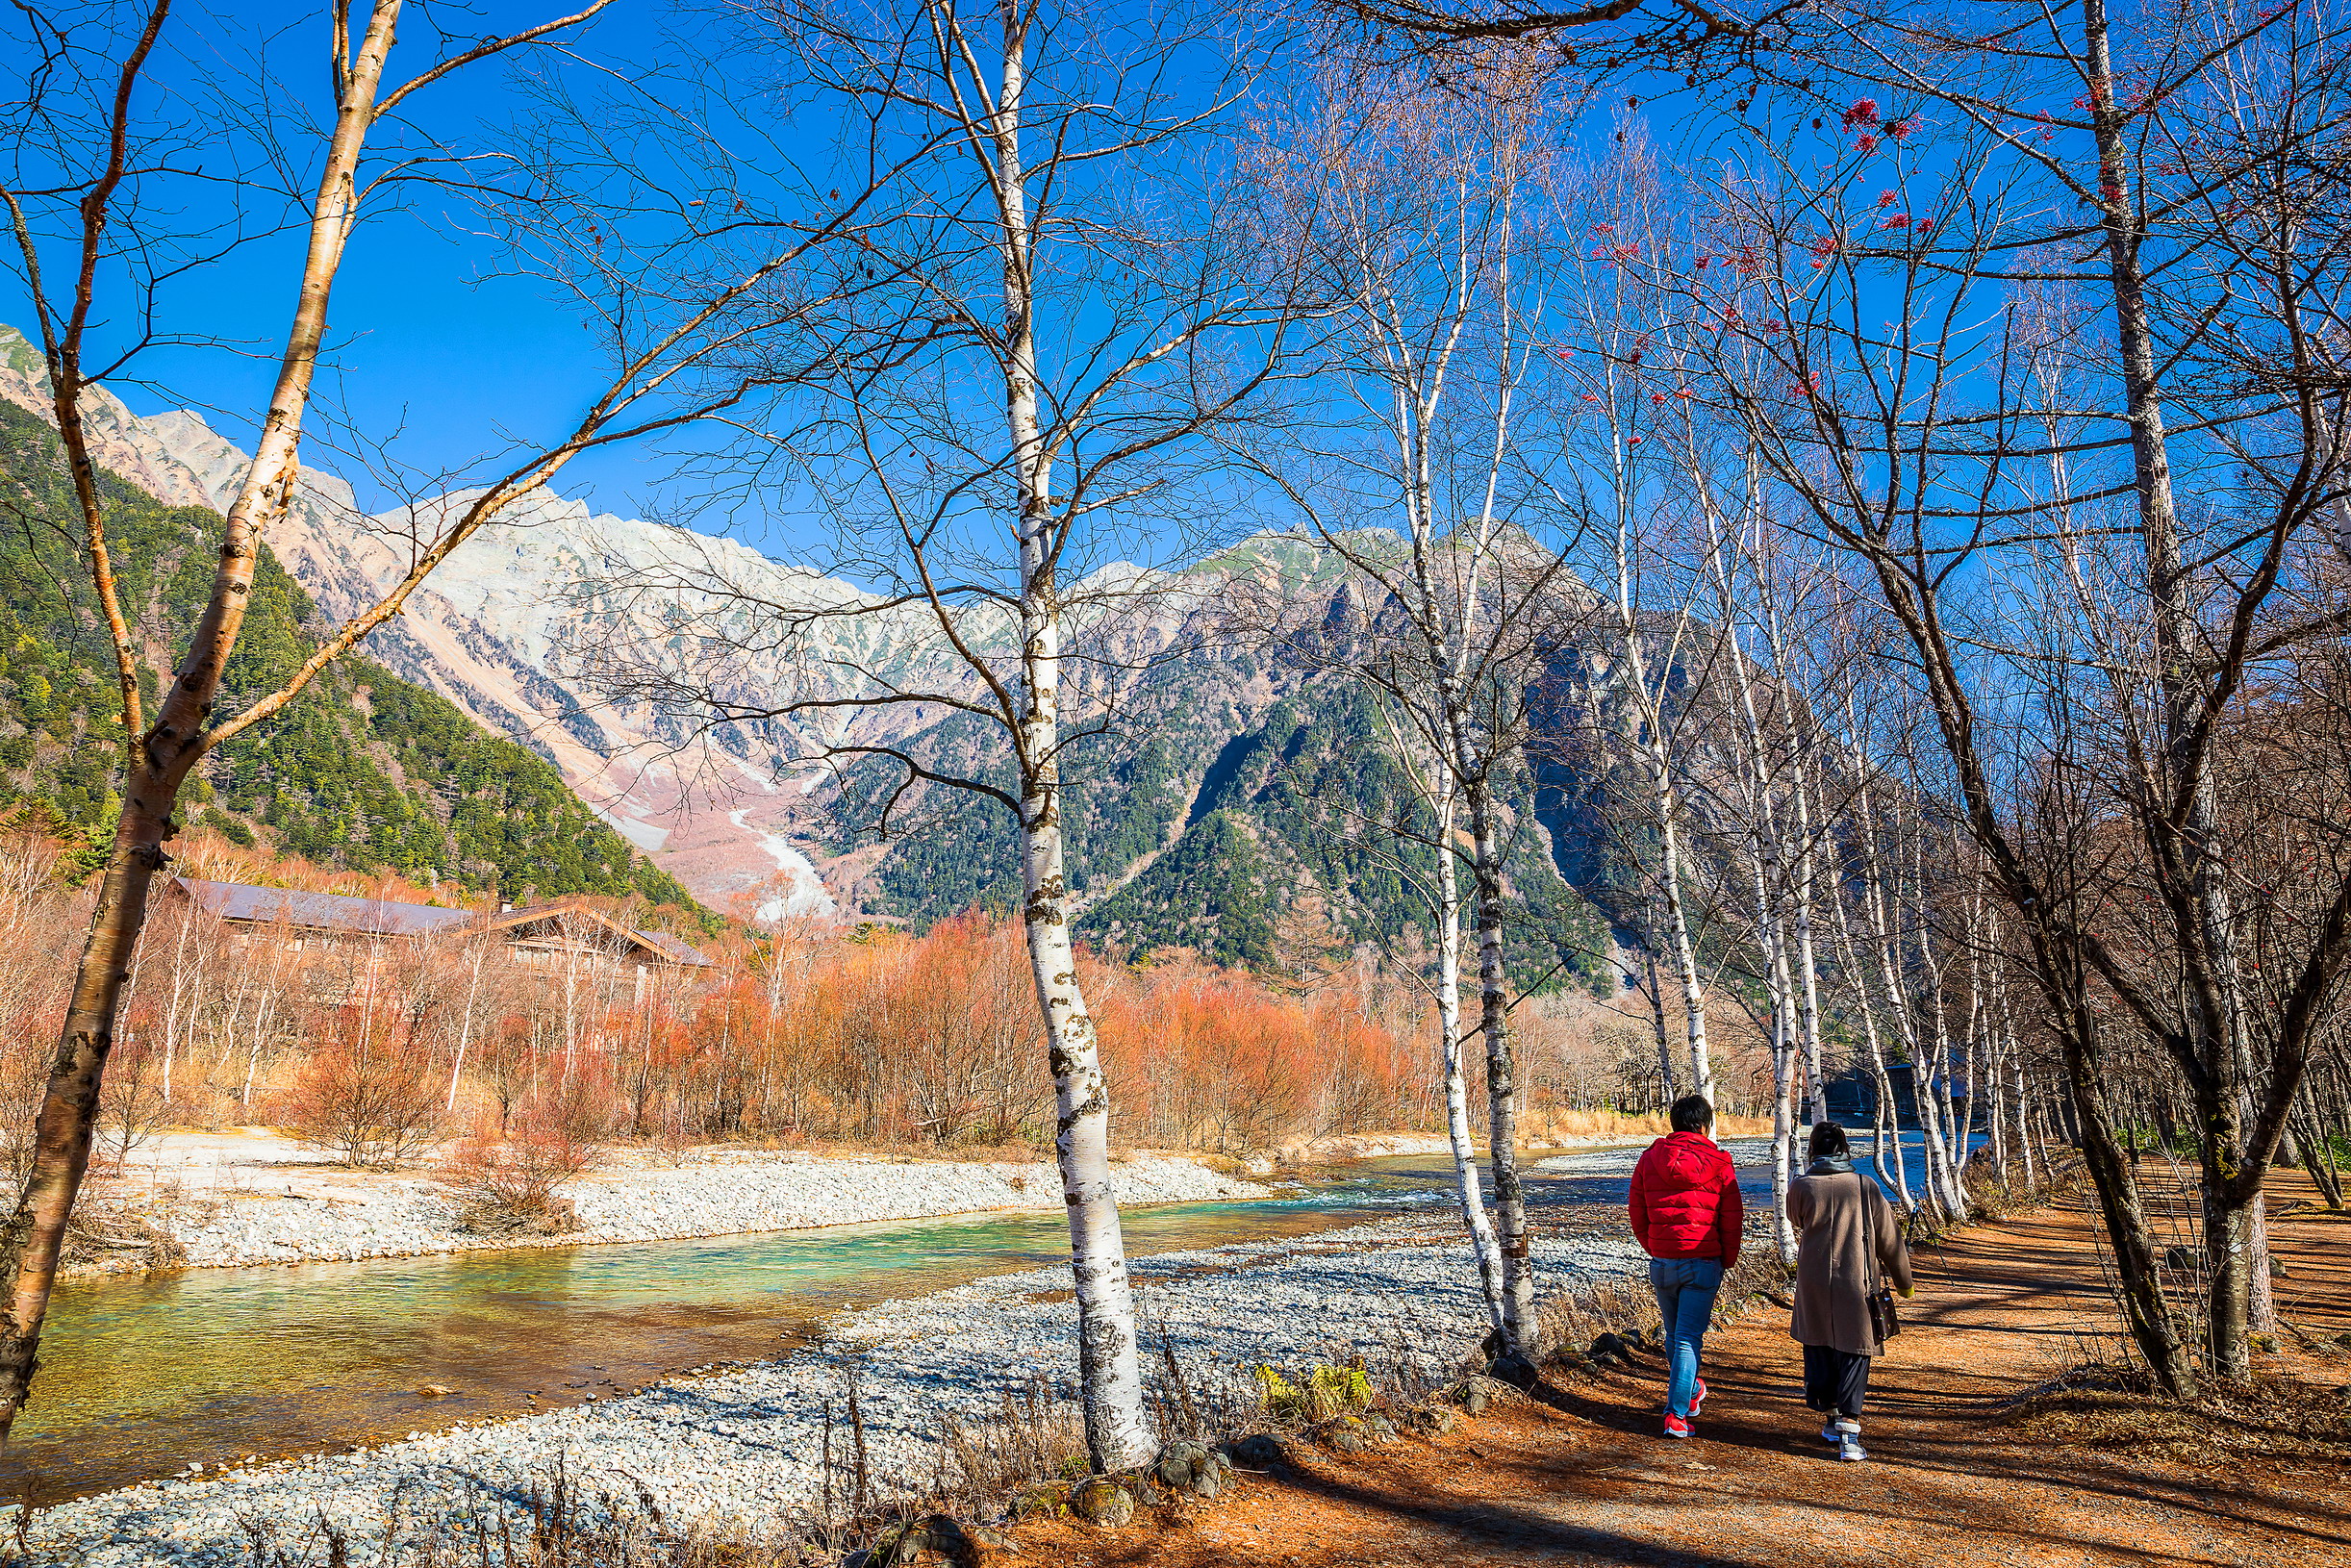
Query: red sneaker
x=1699, y=1397
x=1675, y=1426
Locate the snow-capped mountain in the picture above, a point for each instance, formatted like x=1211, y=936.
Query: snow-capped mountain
x=1227, y=816
x=504, y=629
x=557, y=626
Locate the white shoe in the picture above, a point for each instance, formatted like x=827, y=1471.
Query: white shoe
x=1849, y=1447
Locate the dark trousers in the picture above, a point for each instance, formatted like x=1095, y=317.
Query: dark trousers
x=1835, y=1380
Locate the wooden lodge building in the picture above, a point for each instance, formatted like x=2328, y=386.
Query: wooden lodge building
x=557, y=940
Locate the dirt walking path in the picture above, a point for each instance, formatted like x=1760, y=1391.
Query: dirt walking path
x=1581, y=1476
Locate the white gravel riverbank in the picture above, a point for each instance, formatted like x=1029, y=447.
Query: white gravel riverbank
x=283, y=1217
x=740, y=1448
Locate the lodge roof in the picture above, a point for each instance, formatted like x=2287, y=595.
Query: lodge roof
x=386, y=917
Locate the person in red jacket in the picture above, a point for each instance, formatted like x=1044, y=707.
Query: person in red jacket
x=1686, y=1215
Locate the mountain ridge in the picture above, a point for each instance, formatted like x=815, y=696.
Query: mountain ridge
x=362, y=770
x=1228, y=815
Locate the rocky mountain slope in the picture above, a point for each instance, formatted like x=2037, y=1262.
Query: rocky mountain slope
x=364, y=770
x=1233, y=810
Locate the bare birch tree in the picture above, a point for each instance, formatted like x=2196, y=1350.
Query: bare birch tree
x=1075, y=300
x=80, y=203
x=1416, y=212
x=1918, y=440
x=1623, y=403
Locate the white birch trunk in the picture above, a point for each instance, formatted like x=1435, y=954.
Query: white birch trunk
x=1666, y=808
x=1944, y=1170
x=1997, y=1046
x=1653, y=978
x=1804, y=982
x=180, y=979
x=1474, y=1214
x=1764, y=877
x=1885, y=1117
x=1783, y=1061
x=1518, y=1317
x=2024, y=1122
x=1808, y=973
x=1109, y=1367
x=1878, y=902
x=262, y=1011
x=464, y=1026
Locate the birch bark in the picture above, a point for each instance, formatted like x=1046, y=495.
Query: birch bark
x=465, y=1025
x=1110, y=1379
x=158, y=763
x=1510, y=1228
x=1885, y=1117
x=1649, y=744
x=1766, y=870
x=1485, y=1249
x=1654, y=982
x=1886, y=939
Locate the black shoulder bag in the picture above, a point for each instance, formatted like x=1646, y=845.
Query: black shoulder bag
x=1884, y=1321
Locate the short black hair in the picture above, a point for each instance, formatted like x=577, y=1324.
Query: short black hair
x=1829, y=1141
x=1691, y=1113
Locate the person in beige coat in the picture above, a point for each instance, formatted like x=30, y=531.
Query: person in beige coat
x=1851, y=1244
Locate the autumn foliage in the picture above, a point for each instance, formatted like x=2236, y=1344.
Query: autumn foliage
x=898, y=1039
x=368, y=1091
x=810, y=1034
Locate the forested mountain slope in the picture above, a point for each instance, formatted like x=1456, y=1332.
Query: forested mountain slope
x=1240, y=806
x=1237, y=806
x=364, y=770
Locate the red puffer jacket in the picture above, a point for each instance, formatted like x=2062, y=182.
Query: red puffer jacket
x=1686, y=1199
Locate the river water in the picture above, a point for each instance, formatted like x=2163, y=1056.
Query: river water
x=141, y=1376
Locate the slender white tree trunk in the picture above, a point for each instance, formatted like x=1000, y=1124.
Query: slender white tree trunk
x=465, y=1025
x=1763, y=880
x=1945, y=1171
x=1783, y=1062
x=1653, y=978
x=2024, y=1120
x=1886, y=1119
x=1996, y=1047
x=1808, y=973
x=1109, y=1368
x=1795, y=722
x=1877, y=901
x=179, y=983
x=1449, y=1023
x=1518, y=1317
x=1665, y=810
x=1766, y=867
x=262, y=1012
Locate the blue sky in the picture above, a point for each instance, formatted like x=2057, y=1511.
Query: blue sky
x=436, y=347
x=444, y=359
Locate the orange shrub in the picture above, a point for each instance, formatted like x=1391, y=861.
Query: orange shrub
x=370, y=1093
x=510, y=1183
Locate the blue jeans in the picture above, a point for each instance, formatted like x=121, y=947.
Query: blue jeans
x=1685, y=1288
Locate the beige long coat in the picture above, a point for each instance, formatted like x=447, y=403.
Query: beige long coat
x=1843, y=1219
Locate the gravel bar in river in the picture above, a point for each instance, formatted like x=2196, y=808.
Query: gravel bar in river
x=740, y=1448
x=636, y=1200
